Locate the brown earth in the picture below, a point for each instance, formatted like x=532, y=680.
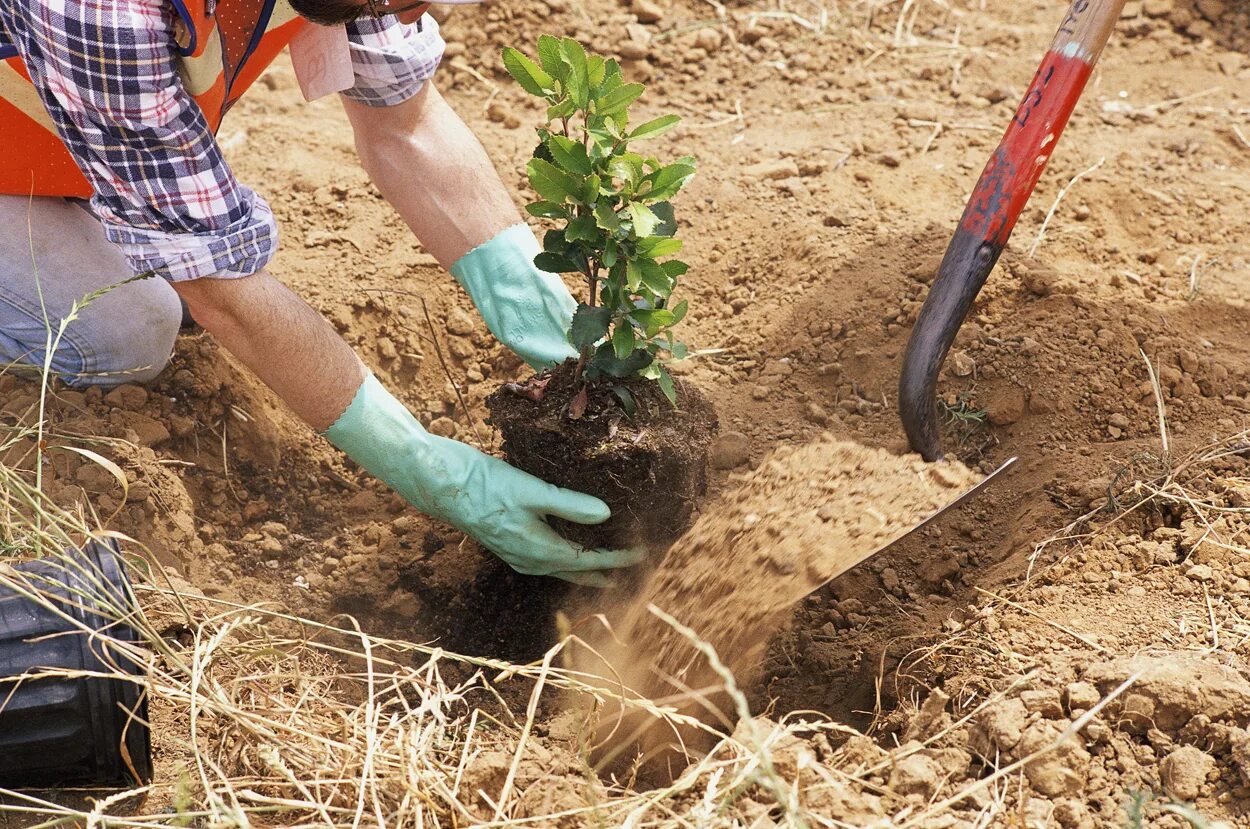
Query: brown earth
x=837, y=145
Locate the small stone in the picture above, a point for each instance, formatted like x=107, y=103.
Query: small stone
x=459, y=322
x=141, y=429
x=709, y=39
x=500, y=113
x=1006, y=407
x=888, y=160
x=1118, y=420
x=962, y=365
x=460, y=347
x=444, y=427
x=129, y=396
x=816, y=414
x=1082, y=696
x=1199, y=572
x=1044, y=701
x=730, y=450
x=1081, y=213
x=632, y=50
x=836, y=220
x=1157, y=8
x=775, y=170
x=1184, y=772
x=761, y=392
x=917, y=774
x=647, y=11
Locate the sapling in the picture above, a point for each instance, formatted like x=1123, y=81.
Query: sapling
x=614, y=221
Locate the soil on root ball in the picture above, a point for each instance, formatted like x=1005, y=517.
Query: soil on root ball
x=649, y=467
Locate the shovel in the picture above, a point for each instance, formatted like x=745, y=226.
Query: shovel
x=1001, y=193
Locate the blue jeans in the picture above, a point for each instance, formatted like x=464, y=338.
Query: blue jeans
x=55, y=247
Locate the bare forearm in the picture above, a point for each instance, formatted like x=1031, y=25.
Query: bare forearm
x=277, y=335
x=432, y=169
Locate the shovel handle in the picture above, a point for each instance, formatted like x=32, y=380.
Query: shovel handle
x=994, y=207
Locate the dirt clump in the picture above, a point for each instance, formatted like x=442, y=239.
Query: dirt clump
x=649, y=467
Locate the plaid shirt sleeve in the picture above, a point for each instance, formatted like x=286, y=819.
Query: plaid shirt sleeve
x=107, y=74
x=392, y=61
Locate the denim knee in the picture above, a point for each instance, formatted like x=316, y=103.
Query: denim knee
x=124, y=336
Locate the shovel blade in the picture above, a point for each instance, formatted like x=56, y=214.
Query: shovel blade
x=853, y=556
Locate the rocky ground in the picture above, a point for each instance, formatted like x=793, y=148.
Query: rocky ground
x=837, y=144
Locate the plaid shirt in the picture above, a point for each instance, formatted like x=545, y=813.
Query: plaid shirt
x=107, y=73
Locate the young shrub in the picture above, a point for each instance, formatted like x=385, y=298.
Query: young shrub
x=611, y=205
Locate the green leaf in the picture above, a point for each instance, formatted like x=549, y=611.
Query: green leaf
x=657, y=246
x=582, y=229
x=668, y=222
x=633, y=275
x=645, y=222
x=655, y=127
x=569, y=154
x=606, y=361
x=528, y=74
x=666, y=181
x=554, y=263
x=679, y=351
x=674, y=268
x=610, y=251
x=627, y=400
x=561, y=110
x=590, y=189
x=554, y=241
x=578, y=78
x=627, y=167
x=552, y=183
x=679, y=312
x=619, y=99
x=653, y=321
x=667, y=386
x=551, y=57
x=590, y=325
x=656, y=278
x=547, y=210
x=623, y=339
x=596, y=71
x=607, y=219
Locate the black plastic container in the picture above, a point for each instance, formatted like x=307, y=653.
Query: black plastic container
x=57, y=731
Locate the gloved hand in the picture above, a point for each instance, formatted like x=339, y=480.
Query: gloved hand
x=499, y=505
x=527, y=310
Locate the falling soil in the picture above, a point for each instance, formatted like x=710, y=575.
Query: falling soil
x=649, y=467
x=805, y=516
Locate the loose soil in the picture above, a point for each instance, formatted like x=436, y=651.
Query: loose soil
x=837, y=146
x=650, y=468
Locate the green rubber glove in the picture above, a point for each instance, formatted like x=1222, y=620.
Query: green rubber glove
x=527, y=310
x=499, y=505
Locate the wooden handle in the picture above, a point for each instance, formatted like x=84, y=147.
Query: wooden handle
x=1086, y=29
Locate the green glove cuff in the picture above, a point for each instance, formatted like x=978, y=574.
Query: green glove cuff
x=379, y=433
x=528, y=310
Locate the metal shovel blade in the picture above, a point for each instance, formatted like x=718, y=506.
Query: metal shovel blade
x=852, y=557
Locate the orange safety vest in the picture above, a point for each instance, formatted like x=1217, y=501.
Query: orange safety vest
x=223, y=47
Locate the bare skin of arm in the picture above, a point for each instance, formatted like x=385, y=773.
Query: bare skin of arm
x=434, y=171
